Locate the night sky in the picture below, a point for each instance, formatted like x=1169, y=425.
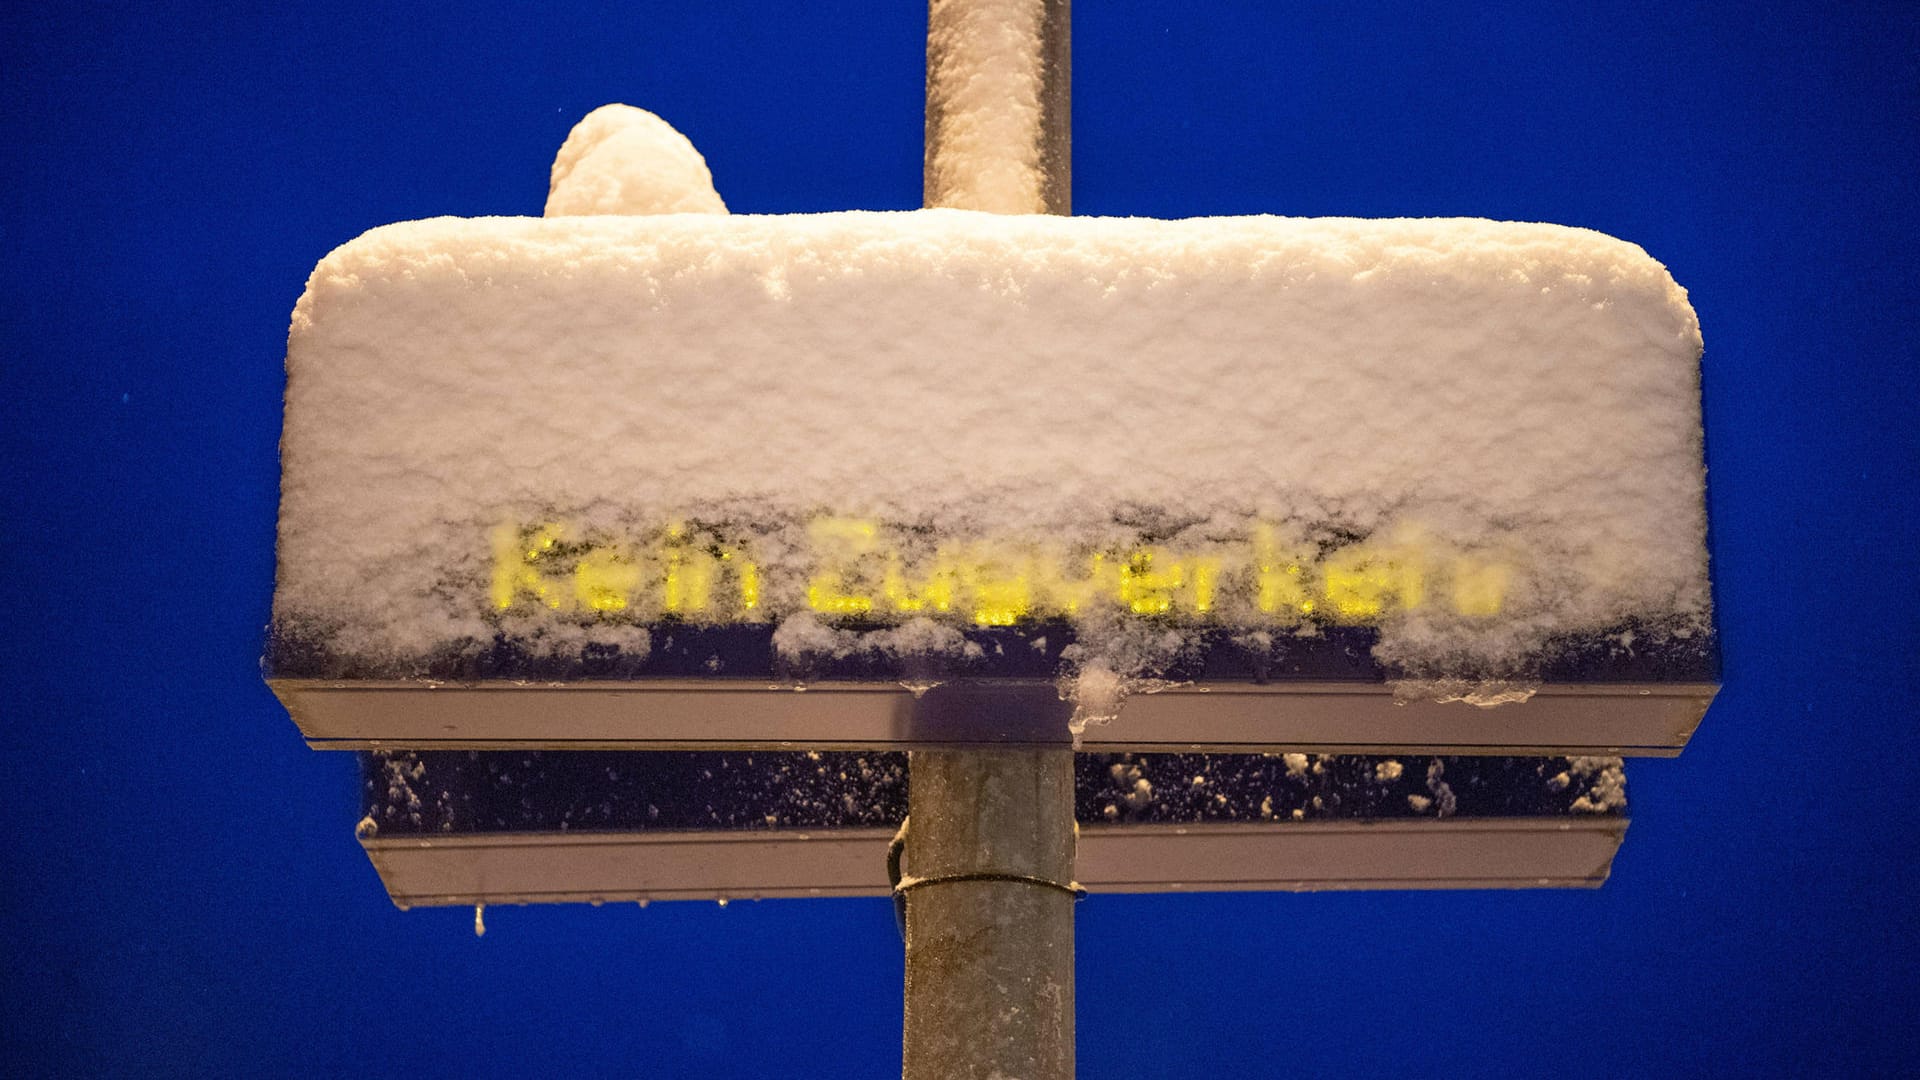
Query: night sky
x=182, y=893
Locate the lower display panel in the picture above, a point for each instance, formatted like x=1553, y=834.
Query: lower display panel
x=504, y=827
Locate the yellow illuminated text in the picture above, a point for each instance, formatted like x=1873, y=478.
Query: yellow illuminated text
x=856, y=568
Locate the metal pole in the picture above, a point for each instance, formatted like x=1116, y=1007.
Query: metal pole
x=989, y=989
x=998, y=106
x=990, y=848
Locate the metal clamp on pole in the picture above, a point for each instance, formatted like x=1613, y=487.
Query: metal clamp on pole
x=900, y=883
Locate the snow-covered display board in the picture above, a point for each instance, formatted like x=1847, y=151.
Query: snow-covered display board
x=641, y=436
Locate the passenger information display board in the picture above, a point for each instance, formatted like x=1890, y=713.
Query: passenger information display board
x=851, y=479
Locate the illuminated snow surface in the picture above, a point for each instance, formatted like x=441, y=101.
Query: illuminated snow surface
x=1471, y=436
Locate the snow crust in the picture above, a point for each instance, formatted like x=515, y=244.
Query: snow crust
x=1484, y=409
x=623, y=160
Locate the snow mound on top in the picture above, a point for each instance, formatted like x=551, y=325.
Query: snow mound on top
x=623, y=160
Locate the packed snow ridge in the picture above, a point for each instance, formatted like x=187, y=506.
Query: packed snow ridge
x=1473, y=436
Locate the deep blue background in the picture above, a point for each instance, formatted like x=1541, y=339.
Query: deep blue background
x=181, y=889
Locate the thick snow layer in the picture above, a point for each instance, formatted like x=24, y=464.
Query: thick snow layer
x=623, y=160
x=1472, y=435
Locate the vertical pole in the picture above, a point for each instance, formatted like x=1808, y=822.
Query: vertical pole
x=989, y=927
x=989, y=989
x=998, y=106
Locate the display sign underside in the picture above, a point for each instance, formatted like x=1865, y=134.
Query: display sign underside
x=720, y=687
